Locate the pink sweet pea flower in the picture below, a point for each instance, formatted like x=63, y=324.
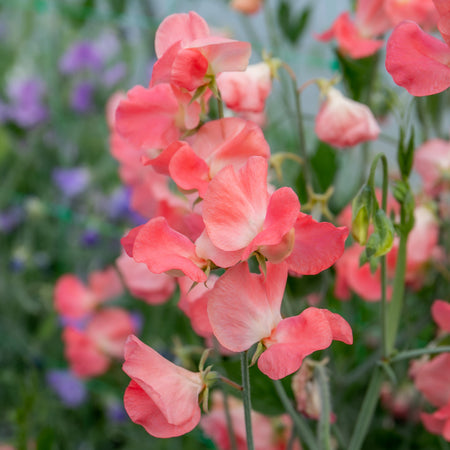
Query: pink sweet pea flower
x=75, y=300
x=422, y=12
x=432, y=162
x=217, y=144
x=417, y=61
x=157, y=116
x=355, y=37
x=342, y=122
x=246, y=6
x=248, y=90
x=270, y=433
x=89, y=351
x=188, y=55
x=150, y=287
x=240, y=215
x=440, y=310
x=252, y=314
x=161, y=396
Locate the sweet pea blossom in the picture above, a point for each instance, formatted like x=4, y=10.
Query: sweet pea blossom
x=241, y=216
x=246, y=6
x=189, y=55
x=90, y=350
x=418, y=61
x=248, y=90
x=342, y=122
x=355, y=37
x=252, y=314
x=161, y=396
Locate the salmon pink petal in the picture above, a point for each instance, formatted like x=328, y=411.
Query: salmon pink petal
x=189, y=69
x=105, y=284
x=317, y=245
x=161, y=161
x=72, y=298
x=189, y=171
x=164, y=249
x=296, y=337
x=417, y=61
x=282, y=213
x=144, y=411
x=162, y=69
x=84, y=357
x=371, y=16
x=173, y=389
x=147, y=117
x=235, y=205
x=151, y=287
x=179, y=27
x=208, y=251
x=229, y=141
x=239, y=309
x=440, y=311
x=128, y=240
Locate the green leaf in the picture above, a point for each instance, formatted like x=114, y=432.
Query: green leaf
x=293, y=26
x=324, y=163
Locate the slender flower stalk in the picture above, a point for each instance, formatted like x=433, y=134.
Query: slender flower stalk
x=323, y=427
x=247, y=399
x=410, y=354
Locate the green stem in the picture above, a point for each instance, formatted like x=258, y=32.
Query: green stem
x=220, y=105
x=395, y=307
x=323, y=427
x=247, y=399
x=367, y=410
x=408, y=354
x=303, y=431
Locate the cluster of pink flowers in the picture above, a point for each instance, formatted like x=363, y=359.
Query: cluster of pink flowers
x=224, y=213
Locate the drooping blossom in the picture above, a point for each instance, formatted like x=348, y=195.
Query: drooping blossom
x=432, y=162
x=307, y=392
x=342, y=122
x=252, y=314
x=162, y=397
x=270, y=433
x=74, y=300
x=357, y=37
x=418, y=61
x=189, y=55
x=150, y=287
x=248, y=90
x=90, y=350
x=400, y=401
x=241, y=216
x=440, y=310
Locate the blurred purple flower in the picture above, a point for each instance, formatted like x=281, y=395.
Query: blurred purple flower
x=67, y=386
x=81, y=98
x=90, y=238
x=118, y=207
x=11, y=218
x=26, y=108
x=114, y=74
x=71, y=181
x=107, y=45
x=81, y=56
x=116, y=411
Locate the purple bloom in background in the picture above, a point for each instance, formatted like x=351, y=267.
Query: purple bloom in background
x=81, y=56
x=114, y=74
x=67, y=386
x=118, y=207
x=26, y=108
x=11, y=218
x=90, y=238
x=116, y=412
x=81, y=98
x=71, y=181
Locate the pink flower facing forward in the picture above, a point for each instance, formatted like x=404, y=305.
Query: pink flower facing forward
x=217, y=144
x=417, y=61
x=161, y=396
x=74, y=300
x=153, y=118
x=244, y=309
x=190, y=57
x=241, y=216
x=89, y=351
x=342, y=122
x=355, y=37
